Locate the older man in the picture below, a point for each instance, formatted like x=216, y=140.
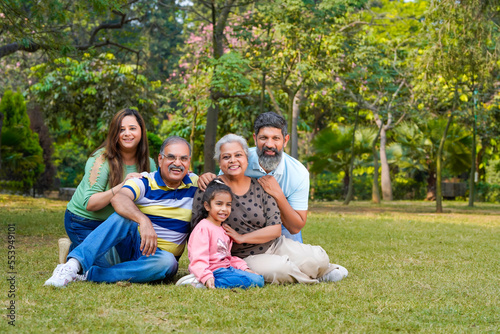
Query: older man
x=151, y=224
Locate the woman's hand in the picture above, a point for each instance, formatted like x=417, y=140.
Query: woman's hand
x=210, y=283
x=251, y=271
x=133, y=175
x=238, y=238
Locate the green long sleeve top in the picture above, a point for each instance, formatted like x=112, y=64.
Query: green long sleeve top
x=96, y=180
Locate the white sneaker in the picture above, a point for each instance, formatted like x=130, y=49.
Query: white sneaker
x=334, y=275
x=190, y=280
x=62, y=276
x=81, y=278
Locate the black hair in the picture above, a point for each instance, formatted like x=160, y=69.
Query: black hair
x=272, y=120
x=216, y=186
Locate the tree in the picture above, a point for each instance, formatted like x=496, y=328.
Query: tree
x=58, y=27
x=376, y=71
x=22, y=160
x=189, y=87
x=218, y=18
x=295, y=54
x=46, y=180
x=88, y=93
x=333, y=151
x=464, y=55
x=416, y=147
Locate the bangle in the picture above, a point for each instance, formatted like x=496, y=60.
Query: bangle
x=112, y=192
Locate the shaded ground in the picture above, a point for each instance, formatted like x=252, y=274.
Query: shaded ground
x=420, y=207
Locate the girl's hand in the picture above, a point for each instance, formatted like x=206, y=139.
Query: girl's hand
x=133, y=175
x=251, y=271
x=210, y=283
x=238, y=238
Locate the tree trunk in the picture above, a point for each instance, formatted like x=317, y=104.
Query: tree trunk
x=375, y=187
x=263, y=91
x=431, y=186
x=219, y=21
x=210, y=137
x=1, y=127
x=473, y=162
x=439, y=161
x=386, y=175
x=346, y=182
x=350, y=191
x=295, y=119
x=191, y=136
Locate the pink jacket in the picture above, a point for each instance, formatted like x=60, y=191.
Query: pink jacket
x=209, y=248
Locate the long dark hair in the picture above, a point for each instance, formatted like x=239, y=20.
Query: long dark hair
x=112, y=147
x=216, y=186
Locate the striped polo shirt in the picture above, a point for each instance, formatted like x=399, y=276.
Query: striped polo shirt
x=168, y=209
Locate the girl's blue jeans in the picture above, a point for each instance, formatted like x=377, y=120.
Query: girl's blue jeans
x=227, y=278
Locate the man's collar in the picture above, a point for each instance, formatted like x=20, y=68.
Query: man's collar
x=159, y=180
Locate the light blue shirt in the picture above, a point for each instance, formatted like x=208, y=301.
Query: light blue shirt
x=293, y=179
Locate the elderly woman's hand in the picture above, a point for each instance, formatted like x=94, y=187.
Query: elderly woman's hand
x=238, y=238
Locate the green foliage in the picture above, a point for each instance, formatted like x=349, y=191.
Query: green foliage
x=22, y=156
x=63, y=27
x=416, y=145
x=407, y=188
x=89, y=92
x=333, y=149
x=69, y=159
x=331, y=186
x=155, y=143
x=487, y=192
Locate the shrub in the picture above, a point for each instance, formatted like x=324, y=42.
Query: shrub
x=22, y=156
x=486, y=192
x=404, y=187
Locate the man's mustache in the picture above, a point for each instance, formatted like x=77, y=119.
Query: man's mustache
x=176, y=167
x=272, y=149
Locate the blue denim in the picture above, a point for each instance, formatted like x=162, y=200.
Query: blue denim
x=227, y=278
x=78, y=228
x=287, y=234
x=135, y=267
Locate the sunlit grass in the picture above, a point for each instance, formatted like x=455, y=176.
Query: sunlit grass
x=410, y=270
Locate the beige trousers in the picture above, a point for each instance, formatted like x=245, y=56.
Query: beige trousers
x=289, y=261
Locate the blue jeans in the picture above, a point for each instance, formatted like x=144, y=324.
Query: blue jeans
x=227, y=278
x=78, y=228
x=135, y=267
x=286, y=233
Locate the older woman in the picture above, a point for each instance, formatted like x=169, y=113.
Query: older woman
x=255, y=226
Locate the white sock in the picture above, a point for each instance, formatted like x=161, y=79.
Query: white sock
x=74, y=265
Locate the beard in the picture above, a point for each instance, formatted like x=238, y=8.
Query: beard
x=269, y=162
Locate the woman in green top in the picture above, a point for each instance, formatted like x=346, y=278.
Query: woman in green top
x=123, y=155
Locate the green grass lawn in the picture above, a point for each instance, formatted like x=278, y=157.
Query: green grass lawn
x=410, y=270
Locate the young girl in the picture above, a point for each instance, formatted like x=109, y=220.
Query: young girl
x=209, y=247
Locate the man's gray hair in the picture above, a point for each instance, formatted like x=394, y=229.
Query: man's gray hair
x=173, y=140
x=230, y=138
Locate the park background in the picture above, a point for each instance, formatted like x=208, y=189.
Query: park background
x=391, y=105
x=384, y=99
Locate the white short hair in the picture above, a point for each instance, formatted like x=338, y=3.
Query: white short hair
x=230, y=138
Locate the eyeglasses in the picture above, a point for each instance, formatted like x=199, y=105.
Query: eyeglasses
x=172, y=158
